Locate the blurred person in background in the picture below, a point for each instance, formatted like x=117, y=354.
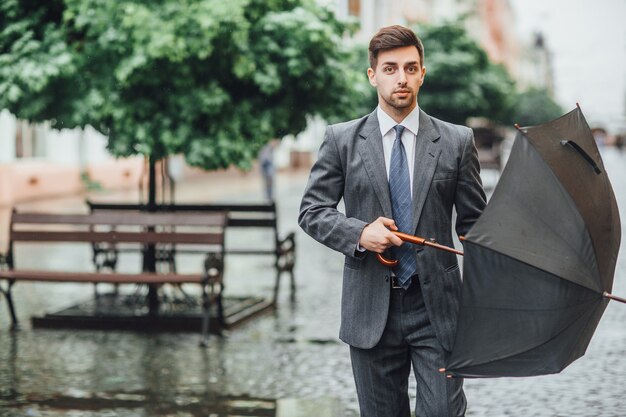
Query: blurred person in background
x=268, y=170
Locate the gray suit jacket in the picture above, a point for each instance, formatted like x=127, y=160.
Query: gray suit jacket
x=351, y=166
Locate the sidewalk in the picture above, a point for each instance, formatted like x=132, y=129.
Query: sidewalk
x=269, y=366
x=288, y=364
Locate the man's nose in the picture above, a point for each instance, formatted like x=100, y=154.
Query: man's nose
x=402, y=77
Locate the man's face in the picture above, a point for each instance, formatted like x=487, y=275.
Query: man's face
x=398, y=77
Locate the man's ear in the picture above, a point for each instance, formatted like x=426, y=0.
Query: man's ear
x=371, y=76
x=423, y=76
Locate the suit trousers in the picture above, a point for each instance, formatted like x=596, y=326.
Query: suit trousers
x=381, y=373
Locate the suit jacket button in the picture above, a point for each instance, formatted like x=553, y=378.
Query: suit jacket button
x=387, y=278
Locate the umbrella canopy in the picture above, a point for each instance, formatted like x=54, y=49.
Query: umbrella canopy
x=540, y=259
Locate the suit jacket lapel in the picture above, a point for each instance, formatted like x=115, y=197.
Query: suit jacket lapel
x=371, y=150
x=427, y=150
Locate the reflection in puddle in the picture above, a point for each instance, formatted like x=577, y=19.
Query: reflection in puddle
x=129, y=404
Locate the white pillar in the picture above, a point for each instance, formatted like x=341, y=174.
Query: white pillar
x=368, y=20
x=62, y=146
x=7, y=137
x=95, y=146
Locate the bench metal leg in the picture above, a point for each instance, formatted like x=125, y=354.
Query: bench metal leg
x=285, y=262
x=206, y=311
x=293, y=285
x=277, y=285
x=220, y=307
x=213, y=269
x=206, y=316
x=7, y=295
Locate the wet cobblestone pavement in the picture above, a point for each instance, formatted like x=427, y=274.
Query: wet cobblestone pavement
x=259, y=368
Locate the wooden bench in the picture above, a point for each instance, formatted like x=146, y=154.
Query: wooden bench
x=113, y=228
x=238, y=216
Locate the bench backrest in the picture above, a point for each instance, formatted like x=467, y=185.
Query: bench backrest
x=119, y=227
x=238, y=215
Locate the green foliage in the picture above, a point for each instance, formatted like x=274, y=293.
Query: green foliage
x=535, y=106
x=35, y=60
x=211, y=79
x=460, y=81
x=363, y=98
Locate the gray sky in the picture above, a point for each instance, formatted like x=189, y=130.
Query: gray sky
x=588, y=43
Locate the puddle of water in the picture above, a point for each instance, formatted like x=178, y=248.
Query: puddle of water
x=132, y=404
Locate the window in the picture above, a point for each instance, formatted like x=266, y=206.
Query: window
x=27, y=140
x=354, y=8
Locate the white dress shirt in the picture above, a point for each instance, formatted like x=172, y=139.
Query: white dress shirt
x=411, y=125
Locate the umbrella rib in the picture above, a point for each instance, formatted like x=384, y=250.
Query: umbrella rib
x=583, y=328
x=532, y=266
x=523, y=309
x=525, y=132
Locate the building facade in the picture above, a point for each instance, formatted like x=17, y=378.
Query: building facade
x=37, y=161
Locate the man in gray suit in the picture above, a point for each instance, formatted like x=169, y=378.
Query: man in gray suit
x=400, y=169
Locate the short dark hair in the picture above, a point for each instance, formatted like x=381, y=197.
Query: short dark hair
x=392, y=37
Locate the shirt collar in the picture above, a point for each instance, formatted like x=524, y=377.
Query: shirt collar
x=386, y=123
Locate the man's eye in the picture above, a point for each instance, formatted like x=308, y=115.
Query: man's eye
x=412, y=69
x=388, y=69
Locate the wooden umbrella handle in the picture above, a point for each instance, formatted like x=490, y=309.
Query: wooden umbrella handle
x=387, y=262
x=418, y=241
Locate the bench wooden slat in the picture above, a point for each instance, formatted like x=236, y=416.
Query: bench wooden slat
x=251, y=222
x=243, y=207
x=250, y=251
x=123, y=218
x=97, y=277
x=116, y=237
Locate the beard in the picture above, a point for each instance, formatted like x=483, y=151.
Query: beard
x=400, y=103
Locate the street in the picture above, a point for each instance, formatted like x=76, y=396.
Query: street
x=290, y=359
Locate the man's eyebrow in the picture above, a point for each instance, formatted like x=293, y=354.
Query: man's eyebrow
x=395, y=63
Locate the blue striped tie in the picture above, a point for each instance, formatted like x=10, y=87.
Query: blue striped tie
x=402, y=209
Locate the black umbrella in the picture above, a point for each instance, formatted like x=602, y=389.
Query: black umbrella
x=539, y=262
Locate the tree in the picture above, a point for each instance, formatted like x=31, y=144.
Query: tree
x=461, y=82
x=210, y=79
x=535, y=106
x=36, y=64
x=213, y=80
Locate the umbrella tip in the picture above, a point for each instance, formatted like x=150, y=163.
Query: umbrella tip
x=606, y=294
x=578, y=105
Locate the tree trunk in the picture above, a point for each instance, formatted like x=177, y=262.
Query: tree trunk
x=149, y=257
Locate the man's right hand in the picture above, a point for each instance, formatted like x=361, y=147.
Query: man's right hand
x=377, y=237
